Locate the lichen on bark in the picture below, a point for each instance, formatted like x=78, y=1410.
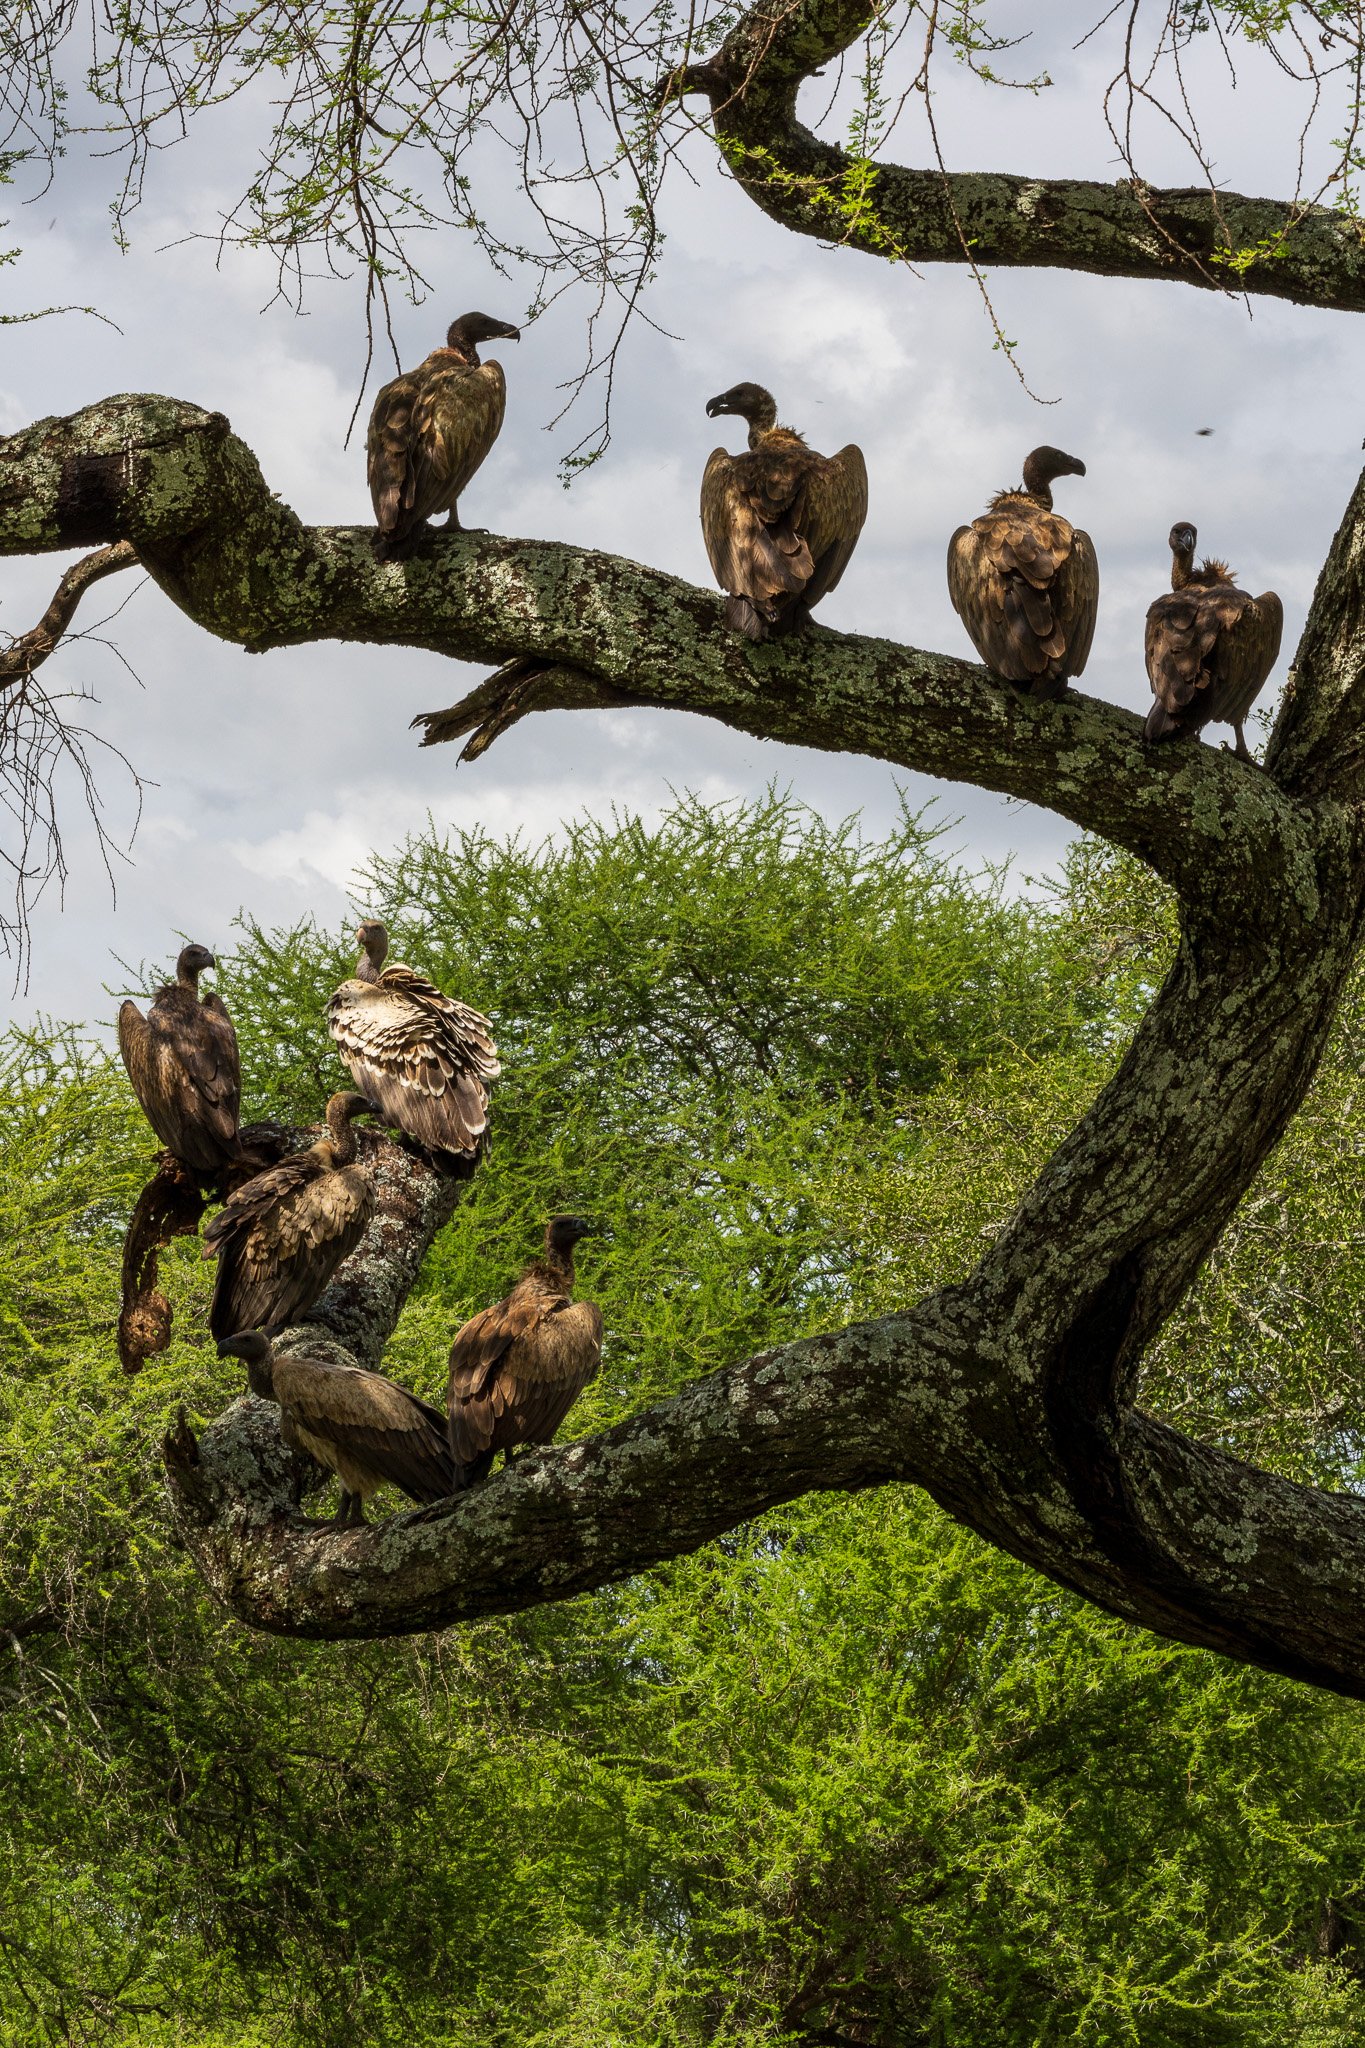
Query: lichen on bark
x=1009, y=1397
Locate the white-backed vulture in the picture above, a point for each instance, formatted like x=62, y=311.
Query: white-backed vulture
x=281, y=1237
x=517, y=1368
x=779, y=522
x=1025, y=582
x=1210, y=647
x=182, y=1061
x=360, y=1425
x=422, y=1058
x=429, y=431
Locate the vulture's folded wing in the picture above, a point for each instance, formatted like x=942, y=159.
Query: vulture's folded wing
x=134, y=1044
x=1182, y=632
x=207, y=1053
x=752, y=554
x=1248, y=647
x=422, y=1058
x=832, y=514
x=279, y=1241
x=477, y=1397
x=977, y=590
x=1076, y=599
x=457, y=414
x=541, y=1377
x=371, y=1421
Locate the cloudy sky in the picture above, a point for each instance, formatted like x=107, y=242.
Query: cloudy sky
x=270, y=778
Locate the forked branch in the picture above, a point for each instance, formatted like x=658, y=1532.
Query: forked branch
x=1010, y=1397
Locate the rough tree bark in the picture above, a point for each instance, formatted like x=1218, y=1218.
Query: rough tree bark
x=1011, y=1397
x=1219, y=241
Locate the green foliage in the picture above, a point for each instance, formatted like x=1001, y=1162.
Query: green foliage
x=845, y=1776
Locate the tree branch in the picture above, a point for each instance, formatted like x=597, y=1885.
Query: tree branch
x=1214, y=240
x=31, y=649
x=1009, y=1397
x=588, y=629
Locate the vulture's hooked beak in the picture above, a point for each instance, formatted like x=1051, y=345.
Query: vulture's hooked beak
x=716, y=406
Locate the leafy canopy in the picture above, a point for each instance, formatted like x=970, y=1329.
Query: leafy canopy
x=845, y=1775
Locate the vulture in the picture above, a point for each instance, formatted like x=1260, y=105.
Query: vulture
x=430, y=430
x=422, y=1058
x=279, y=1239
x=1210, y=647
x=779, y=522
x=1025, y=582
x=517, y=1368
x=183, y=1064
x=365, y=1428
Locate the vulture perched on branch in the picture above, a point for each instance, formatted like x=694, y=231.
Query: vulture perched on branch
x=182, y=1061
x=1210, y=647
x=365, y=1428
x=422, y=1058
x=430, y=430
x=281, y=1237
x=517, y=1368
x=1025, y=582
x=780, y=522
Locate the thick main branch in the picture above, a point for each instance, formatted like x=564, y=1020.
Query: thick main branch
x=1009, y=1397
x=1313, y=255
x=190, y=497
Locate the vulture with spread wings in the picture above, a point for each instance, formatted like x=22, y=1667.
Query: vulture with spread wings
x=423, y=1059
x=1025, y=582
x=365, y=1428
x=1210, y=647
x=281, y=1237
x=779, y=522
x=182, y=1061
x=517, y=1368
x=430, y=430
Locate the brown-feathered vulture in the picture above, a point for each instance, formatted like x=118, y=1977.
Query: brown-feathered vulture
x=430, y=430
x=423, y=1059
x=517, y=1368
x=1210, y=647
x=182, y=1061
x=1025, y=582
x=779, y=522
x=281, y=1237
x=365, y=1428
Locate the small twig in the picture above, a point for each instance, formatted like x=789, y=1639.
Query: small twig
x=31, y=649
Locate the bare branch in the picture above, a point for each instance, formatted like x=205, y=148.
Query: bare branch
x=32, y=649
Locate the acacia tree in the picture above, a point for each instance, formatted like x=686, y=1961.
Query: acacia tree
x=1014, y=1397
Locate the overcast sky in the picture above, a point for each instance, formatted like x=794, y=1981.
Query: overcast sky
x=273, y=776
